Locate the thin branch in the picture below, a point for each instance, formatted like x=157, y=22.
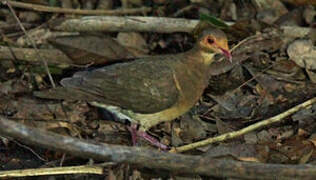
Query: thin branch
x=33, y=44
x=246, y=130
x=30, y=149
x=42, y=8
x=88, y=169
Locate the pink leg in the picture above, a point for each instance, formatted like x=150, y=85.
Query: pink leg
x=152, y=140
x=133, y=130
x=137, y=133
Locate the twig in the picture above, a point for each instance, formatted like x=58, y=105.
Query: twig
x=220, y=67
x=254, y=77
x=88, y=169
x=31, y=150
x=239, y=44
x=42, y=8
x=183, y=10
x=243, y=42
x=248, y=129
x=33, y=44
x=143, y=157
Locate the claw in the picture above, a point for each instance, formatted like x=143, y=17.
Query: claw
x=139, y=133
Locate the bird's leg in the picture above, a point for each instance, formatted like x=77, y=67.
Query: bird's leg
x=113, y=112
x=133, y=130
x=135, y=133
x=152, y=140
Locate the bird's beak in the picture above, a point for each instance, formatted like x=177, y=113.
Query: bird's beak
x=227, y=54
x=222, y=45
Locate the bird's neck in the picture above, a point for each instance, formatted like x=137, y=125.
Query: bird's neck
x=201, y=56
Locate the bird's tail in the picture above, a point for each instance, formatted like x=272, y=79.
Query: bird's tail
x=65, y=93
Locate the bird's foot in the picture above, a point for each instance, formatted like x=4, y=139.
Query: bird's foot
x=135, y=133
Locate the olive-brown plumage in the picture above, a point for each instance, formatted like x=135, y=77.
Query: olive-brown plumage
x=148, y=90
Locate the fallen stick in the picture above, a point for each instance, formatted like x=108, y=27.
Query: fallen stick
x=145, y=24
x=245, y=130
x=87, y=169
x=124, y=24
x=52, y=56
x=142, y=157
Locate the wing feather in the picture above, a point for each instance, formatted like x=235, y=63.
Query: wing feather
x=139, y=86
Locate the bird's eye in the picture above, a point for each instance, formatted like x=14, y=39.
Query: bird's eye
x=210, y=40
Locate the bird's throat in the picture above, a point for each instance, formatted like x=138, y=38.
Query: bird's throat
x=207, y=57
x=200, y=55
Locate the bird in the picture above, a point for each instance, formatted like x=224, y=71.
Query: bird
x=148, y=90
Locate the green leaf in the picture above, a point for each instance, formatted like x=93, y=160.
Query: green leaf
x=214, y=21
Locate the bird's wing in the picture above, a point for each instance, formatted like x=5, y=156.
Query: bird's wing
x=140, y=86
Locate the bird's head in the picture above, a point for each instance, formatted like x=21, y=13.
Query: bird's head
x=214, y=41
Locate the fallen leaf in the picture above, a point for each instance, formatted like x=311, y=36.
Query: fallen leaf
x=303, y=53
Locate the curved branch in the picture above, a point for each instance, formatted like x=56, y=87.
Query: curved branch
x=142, y=157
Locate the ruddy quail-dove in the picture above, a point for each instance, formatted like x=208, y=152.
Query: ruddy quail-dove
x=149, y=90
